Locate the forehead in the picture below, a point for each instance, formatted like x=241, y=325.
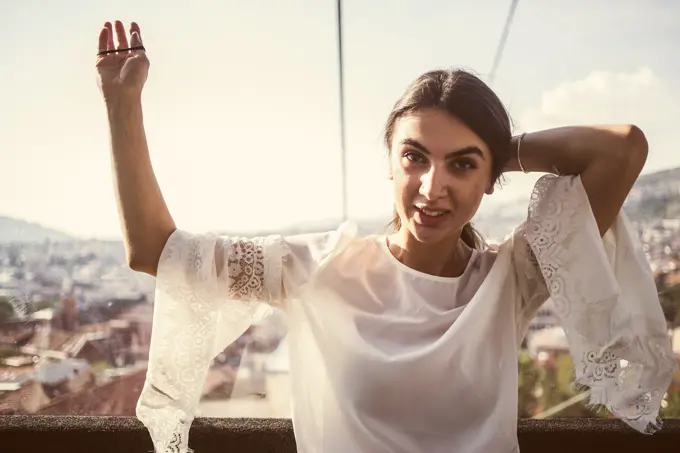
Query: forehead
x=438, y=131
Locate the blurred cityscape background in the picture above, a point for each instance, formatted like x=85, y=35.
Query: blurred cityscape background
x=75, y=325
x=250, y=135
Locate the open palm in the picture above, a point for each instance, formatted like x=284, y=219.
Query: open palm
x=124, y=72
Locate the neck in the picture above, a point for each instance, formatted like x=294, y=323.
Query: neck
x=446, y=258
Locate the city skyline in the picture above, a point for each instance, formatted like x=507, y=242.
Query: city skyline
x=267, y=73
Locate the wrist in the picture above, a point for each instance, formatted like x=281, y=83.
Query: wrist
x=531, y=153
x=516, y=161
x=123, y=101
x=123, y=105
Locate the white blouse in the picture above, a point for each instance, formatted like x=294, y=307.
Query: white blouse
x=388, y=359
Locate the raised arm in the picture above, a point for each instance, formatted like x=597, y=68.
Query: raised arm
x=145, y=219
x=608, y=158
x=602, y=290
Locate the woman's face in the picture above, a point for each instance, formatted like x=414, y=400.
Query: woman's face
x=441, y=170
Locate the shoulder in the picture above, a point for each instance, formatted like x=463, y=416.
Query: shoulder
x=307, y=254
x=330, y=253
x=484, y=258
x=318, y=246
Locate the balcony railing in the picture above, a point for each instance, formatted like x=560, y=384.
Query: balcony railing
x=80, y=434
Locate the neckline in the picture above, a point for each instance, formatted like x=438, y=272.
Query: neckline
x=382, y=242
x=497, y=266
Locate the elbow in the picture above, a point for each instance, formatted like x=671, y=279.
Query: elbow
x=636, y=147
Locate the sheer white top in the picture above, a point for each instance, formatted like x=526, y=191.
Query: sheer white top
x=387, y=359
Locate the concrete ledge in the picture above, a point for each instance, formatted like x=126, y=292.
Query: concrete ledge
x=74, y=434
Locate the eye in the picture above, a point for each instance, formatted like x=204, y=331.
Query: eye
x=464, y=164
x=414, y=157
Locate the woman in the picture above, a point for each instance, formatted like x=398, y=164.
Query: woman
x=406, y=342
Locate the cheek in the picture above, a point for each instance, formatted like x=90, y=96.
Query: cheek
x=406, y=188
x=469, y=192
x=476, y=187
x=474, y=199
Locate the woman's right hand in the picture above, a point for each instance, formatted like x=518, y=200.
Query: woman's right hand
x=121, y=74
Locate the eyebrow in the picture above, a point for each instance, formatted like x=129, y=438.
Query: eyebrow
x=459, y=152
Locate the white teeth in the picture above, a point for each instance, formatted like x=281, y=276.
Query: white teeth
x=432, y=213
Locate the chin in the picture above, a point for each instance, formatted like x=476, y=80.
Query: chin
x=429, y=235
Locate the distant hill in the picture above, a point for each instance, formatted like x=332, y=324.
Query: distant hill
x=654, y=196
x=365, y=226
x=14, y=230
x=662, y=178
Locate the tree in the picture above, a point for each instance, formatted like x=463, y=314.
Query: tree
x=528, y=378
x=672, y=409
x=670, y=304
x=555, y=382
x=6, y=309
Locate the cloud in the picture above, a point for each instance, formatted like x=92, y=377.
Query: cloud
x=641, y=97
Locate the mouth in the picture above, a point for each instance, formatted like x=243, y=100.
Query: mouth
x=430, y=216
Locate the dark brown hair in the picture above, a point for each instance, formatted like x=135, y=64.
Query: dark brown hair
x=465, y=96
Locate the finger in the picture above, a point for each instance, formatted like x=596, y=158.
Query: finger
x=134, y=27
x=121, y=36
x=135, y=40
x=103, y=38
x=109, y=38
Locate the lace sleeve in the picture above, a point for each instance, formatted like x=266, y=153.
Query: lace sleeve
x=209, y=290
x=531, y=284
x=604, y=293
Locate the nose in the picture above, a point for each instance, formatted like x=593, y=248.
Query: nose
x=432, y=184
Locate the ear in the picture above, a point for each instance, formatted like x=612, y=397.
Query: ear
x=489, y=190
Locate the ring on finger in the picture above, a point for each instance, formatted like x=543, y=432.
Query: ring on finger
x=106, y=52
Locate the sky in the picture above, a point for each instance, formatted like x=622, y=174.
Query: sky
x=242, y=108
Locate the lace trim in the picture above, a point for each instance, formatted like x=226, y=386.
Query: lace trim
x=191, y=299
x=532, y=284
x=170, y=435
x=245, y=266
x=630, y=389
